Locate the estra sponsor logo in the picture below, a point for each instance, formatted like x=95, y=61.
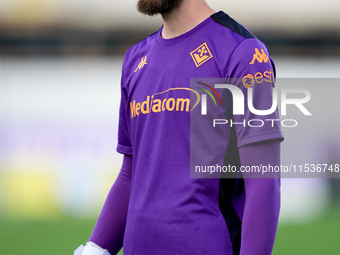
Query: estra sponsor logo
x=259, y=77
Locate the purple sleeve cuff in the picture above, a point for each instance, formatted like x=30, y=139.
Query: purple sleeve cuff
x=260, y=138
x=124, y=149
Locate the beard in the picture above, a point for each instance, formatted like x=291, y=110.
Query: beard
x=153, y=7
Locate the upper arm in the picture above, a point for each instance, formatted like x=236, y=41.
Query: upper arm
x=252, y=70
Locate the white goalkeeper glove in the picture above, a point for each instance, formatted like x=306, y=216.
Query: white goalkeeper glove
x=90, y=249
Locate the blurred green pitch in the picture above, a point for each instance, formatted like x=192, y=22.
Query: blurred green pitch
x=64, y=236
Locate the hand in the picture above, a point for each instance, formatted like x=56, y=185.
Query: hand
x=90, y=249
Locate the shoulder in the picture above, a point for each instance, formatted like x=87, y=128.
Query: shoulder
x=236, y=44
x=235, y=34
x=137, y=50
x=228, y=23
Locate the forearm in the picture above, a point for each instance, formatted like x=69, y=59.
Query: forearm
x=262, y=204
x=109, y=230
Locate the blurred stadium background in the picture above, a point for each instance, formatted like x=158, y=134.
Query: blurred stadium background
x=60, y=64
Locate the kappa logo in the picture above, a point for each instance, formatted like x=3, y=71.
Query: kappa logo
x=260, y=56
x=201, y=54
x=141, y=64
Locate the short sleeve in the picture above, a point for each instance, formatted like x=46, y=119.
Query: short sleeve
x=124, y=142
x=250, y=66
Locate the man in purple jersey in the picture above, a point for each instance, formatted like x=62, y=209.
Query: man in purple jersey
x=160, y=203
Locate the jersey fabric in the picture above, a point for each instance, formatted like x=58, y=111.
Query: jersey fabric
x=163, y=126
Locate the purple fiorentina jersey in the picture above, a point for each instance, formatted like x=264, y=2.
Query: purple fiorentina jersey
x=166, y=127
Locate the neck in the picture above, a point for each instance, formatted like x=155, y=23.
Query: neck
x=186, y=17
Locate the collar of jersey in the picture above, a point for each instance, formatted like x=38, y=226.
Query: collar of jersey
x=180, y=38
